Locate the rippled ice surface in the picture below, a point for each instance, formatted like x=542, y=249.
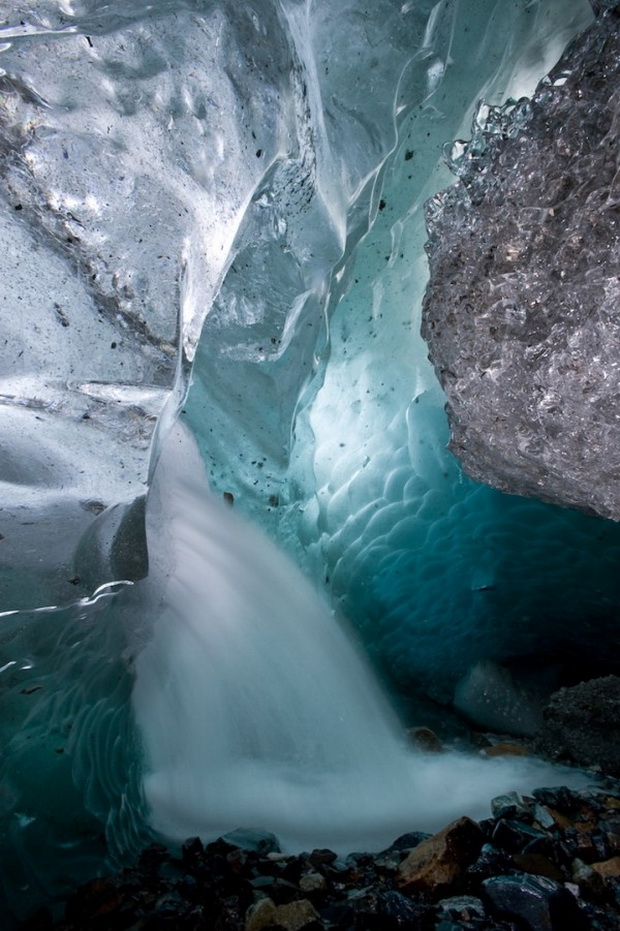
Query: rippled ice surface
x=234, y=191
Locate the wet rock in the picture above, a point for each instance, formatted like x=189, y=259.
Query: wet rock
x=293, y=916
x=490, y=862
x=563, y=803
x=425, y=739
x=598, y=919
x=545, y=817
x=262, y=842
x=492, y=696
x=340, y=915
x=586, y=878
x=514, y=836
x=510, y=806
x=95, y=900
x=231, y=888
x=504, y=749
x=437, y=863
x=322, y=855
x=582, y=723
x=461, y=907
x=388, y=911
x=539, y=903
x=407, y=842
x=539, y=865
x=607, y=868
x=312, y=882
x=260, y=915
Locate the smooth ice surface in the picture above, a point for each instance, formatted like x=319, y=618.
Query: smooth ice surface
x=254, y=706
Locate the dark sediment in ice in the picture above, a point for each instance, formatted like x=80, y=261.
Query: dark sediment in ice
x=522, y=311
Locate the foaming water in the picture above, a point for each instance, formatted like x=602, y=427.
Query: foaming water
x=257, y=710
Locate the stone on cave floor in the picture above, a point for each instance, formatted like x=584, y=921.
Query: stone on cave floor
x=436, y=863
x=493, y=697
x=293, y=916
x=541, y=904
x=521, y=310
x=548, y=862
x=504, y=748
x=582, y=724
x=510, y=805
x=608, y=868
x=424, y=739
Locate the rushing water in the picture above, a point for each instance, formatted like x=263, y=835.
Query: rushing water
x=256, y=709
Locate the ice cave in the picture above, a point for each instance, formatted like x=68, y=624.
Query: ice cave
x=238, y=553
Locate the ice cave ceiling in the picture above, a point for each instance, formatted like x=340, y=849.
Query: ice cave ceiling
x=217, y=209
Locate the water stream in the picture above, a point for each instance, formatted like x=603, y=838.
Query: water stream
x=255, y=706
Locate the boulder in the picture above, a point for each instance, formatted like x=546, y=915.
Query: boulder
x=538, y=903
x=522, y=310
x=435, y=864
x=582, y=724
x=293, y=916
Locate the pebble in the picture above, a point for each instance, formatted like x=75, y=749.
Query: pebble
x=546, y=863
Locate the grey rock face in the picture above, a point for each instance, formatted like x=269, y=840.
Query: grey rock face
x=522, y=311
x=582, y=724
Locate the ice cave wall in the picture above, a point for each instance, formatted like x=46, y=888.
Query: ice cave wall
x=194, y=183
x=240, y=187
x=431, y=568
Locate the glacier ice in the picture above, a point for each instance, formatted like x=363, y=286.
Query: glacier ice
x=214, y=211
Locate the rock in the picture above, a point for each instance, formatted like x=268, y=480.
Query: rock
x=338, y=916
x=564, y=804
x=230, y=887
x=544, y=817
x=262, y=842
x=521, y=310
x=425, y=739
x=312, y=882
x=539, y=865
x=607, y=868
x=321, y=855
x=436, y=863
x=514, y=836
x=96, y=900
x=492, y=696
x=387, y=911
x=407, y=841
x=582, y=723
x=586, y=878
x=260, y=915
x=504, y=749
x=296, y=915
x=461, y=907
x=292, y=916
x=510, y=806
x=539, y=903
x=490, y=862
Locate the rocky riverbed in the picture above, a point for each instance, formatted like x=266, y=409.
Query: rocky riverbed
x=547, y=862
